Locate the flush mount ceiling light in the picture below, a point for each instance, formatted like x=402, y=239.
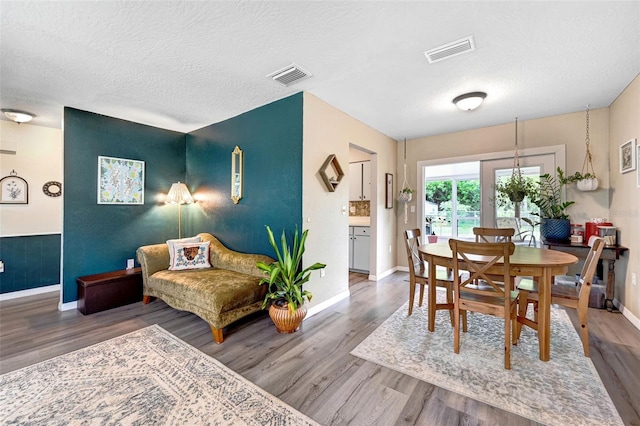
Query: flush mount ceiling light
x=469, y=101
x=18, y=116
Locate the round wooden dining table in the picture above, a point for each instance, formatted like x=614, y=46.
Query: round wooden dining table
x=541, y=264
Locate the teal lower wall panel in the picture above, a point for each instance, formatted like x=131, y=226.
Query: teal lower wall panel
x=29, y=262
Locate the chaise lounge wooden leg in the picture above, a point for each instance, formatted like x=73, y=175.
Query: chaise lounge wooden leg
x=217, y=334
x=146, y=299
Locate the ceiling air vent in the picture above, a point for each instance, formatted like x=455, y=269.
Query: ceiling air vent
x=450, y=49
x=289, y=75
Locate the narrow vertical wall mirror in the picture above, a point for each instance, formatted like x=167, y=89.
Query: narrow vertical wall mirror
x=236, y=175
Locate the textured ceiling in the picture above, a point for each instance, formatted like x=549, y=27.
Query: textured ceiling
x=184, y=65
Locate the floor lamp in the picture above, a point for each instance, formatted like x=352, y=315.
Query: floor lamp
x=179, y=194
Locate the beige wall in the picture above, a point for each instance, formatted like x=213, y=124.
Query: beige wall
x=38, y=160
x=327, y=130
x=625, y=197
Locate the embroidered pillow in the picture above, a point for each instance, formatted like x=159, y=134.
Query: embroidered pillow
x=171, y=243
x=190, y=256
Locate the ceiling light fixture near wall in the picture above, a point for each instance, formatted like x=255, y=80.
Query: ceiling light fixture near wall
x=469, y=101
x=18, y=116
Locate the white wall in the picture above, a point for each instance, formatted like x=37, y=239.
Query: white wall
x=326, y=131
x=38, y=160
x=625, y=198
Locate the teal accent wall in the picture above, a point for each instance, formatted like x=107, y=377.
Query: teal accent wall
x=271, y=140
x=29, y=262
x=98, y=237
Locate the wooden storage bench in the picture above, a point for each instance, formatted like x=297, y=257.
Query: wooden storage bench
x=100, y=292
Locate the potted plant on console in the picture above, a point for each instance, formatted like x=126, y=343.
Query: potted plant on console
x=284, y=279
x=554, y=221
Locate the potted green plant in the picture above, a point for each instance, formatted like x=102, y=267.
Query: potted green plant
x=406, y=194
x=554, y=221
x=513, y=189
x=284, y=279
x=584, y=182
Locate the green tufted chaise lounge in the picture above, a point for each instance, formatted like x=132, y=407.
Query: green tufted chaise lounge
x=219, y=295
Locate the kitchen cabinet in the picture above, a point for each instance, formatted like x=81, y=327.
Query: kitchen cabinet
x=360, y=181
x=359, y=238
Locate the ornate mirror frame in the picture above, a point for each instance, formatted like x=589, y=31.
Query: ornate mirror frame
x=236, y=175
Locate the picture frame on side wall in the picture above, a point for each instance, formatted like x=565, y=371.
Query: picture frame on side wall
x=388, y=191
x=120, y=181
x=627, y=156
x=14, y=189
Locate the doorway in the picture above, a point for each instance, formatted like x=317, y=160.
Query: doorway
x=456, y=218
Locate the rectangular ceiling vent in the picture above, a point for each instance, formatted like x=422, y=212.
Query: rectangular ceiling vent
x=450, y=50
x=289, y=75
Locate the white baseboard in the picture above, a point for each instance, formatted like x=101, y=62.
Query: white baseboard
x=324, y=305
x=382, y=275
x=29, y=292
x=627, y=313
x=68, y=306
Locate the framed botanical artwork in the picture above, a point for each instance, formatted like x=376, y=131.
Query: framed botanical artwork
x=388, y=191
x=14, y=189
x=120, y=181
x=628, y=156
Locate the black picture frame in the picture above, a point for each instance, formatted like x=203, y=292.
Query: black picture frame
x=388, y=193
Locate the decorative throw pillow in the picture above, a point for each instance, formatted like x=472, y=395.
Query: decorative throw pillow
x=171, y=243
x=190, y=256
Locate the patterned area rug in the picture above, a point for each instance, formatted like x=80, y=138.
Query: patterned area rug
x=145, y=377
x=564, y=391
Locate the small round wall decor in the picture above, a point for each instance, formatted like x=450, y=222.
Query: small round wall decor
x=52, y=189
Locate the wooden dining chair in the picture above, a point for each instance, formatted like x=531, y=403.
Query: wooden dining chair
x=490, y=235
x=418, y=274
x=576, y=297
x=492, y=299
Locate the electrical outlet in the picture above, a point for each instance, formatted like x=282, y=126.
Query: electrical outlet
x=129, y=263
x=1, y=266
x=322, y=272
x=413, y=209
x=633, y=278
x=390, y=249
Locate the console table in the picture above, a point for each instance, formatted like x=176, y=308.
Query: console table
x=610, y=254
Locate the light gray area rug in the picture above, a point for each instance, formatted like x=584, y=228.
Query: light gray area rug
x=564, y=391
x=145, y=377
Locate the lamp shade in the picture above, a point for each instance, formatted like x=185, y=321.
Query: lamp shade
x=179, y=194
x=469, y=101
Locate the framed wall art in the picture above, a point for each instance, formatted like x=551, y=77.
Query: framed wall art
x=628, y=156
x=388, y=191
x=120, y=181
x=14, y=189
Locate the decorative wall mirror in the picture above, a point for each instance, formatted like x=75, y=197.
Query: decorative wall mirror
x=236, y=175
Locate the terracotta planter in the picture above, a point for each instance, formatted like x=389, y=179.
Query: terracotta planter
x=284, y=321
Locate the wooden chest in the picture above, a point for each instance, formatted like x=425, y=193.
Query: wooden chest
x=108, y=290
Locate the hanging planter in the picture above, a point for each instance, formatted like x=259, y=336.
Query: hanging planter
x=405, y=196
x=406, y=193
x=585, y=180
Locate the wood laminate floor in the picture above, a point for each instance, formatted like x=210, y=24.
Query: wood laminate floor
x=312, y=370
